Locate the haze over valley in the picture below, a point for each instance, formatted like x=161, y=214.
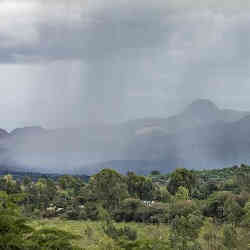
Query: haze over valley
x=136, y=85
x=201, y=136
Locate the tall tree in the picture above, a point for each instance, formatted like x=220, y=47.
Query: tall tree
x=109, y=187
x=182, y=177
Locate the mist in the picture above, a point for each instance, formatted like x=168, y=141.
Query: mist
x=87, y=67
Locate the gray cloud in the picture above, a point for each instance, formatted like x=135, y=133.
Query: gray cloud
x=113, y=60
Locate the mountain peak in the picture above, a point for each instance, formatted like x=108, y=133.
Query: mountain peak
x=201, y=106
x=3, y=133
x=27, y=131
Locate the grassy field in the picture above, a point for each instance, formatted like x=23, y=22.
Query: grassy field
x=92, y=236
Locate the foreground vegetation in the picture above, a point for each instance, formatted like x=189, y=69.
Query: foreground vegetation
x=93, y=235
x=204, y=210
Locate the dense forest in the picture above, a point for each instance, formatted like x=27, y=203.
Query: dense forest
x=186, y=209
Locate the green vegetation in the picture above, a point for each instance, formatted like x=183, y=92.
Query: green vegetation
x=184, y=210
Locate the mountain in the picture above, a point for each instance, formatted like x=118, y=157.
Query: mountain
x=201, y=112
x=201, y=136
x=216, y=145
x=27, y=131
x=3, y=133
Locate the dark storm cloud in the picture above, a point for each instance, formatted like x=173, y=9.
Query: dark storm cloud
x=68, y=62
x=220, y=71
x=109, y=41
x=92, y=36
x=115, y=60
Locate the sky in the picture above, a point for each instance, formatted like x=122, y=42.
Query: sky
x=68, y=62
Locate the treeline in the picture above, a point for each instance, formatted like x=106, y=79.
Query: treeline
x=34, y=176
x=203, y=209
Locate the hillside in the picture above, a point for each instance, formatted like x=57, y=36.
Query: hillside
x=202, y=136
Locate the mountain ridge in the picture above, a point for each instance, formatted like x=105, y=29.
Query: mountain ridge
x=201, y=136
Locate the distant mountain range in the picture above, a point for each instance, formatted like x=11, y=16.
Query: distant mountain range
x=202, y=136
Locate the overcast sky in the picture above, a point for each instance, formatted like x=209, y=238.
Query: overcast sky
x=65, y=62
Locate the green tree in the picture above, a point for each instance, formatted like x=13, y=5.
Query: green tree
x=140, y=187
x=230, y=239
x=9, y=185
x=155, y=172
x=233, y=212
x=214, y=205
x=182, y=194
x=50, y=239
x=122, y=233
x=184, y=232
x=13, y=227
x=211, y=235
x=109, y=187
x=182, y=177
x=246, y=218
x=161, y=194
x=15, y=234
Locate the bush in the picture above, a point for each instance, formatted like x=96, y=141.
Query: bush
x=16, y=235
x=50, y=239
x=126, y=232
x=182, y=208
